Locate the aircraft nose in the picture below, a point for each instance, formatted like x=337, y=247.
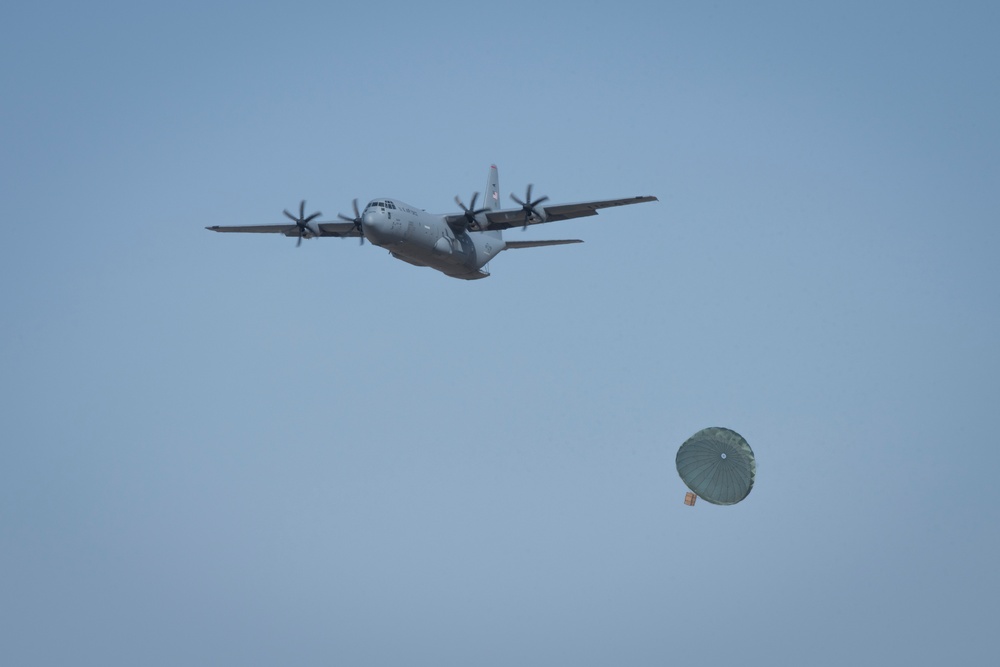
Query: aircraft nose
x=370, y=225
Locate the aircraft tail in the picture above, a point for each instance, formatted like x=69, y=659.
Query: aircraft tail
x=492, y=201
x=513, y=245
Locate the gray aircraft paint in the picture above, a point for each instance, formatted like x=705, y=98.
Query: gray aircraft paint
x=459, y=245
x=425, y=239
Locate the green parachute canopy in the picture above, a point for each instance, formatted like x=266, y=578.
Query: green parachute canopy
x=718, y=465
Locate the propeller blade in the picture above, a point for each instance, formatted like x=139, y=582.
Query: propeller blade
x=471, y=211
x=302, y=222
x=528, y=205
x=356, y=220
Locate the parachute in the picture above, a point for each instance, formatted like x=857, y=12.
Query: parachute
x=718, y=465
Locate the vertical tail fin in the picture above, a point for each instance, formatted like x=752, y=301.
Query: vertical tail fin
x=492, y=201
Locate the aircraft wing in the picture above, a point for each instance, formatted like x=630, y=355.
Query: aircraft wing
x=514, y=217
x=337, y=229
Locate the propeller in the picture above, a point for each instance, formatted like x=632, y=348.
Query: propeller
x=528, y=206
x=356, y=220
x=302, y=222
x=471, y=212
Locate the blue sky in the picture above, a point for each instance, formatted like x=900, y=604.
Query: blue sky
x=223, y=449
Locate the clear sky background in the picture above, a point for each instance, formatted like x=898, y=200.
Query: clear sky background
x=220, y=449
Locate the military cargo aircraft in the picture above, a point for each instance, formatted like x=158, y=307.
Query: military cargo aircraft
x=459, y=245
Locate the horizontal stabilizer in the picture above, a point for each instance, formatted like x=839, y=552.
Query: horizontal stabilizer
x=514, y=245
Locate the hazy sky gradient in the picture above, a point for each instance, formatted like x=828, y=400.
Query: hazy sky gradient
x=221, y=449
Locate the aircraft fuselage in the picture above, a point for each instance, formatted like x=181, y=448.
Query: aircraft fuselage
x=426, y=239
